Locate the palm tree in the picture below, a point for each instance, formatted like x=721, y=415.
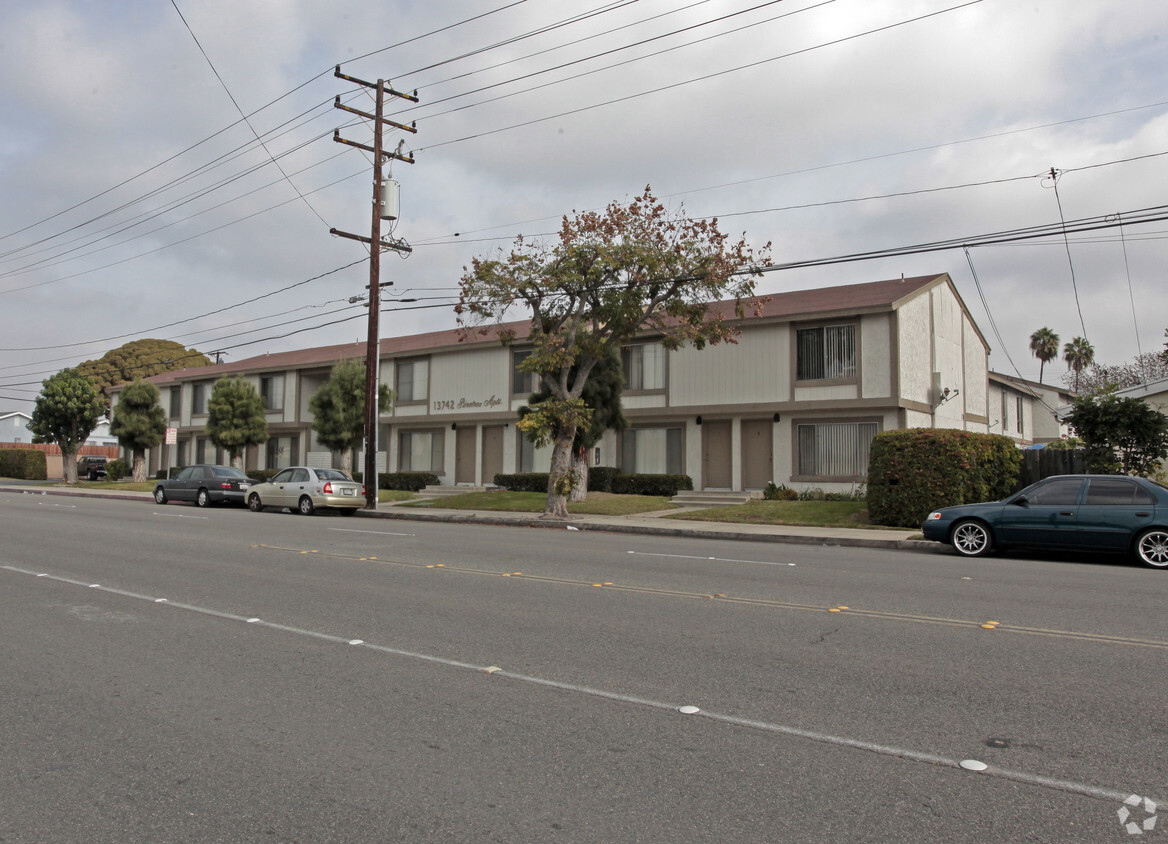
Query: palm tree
x=1079, y=354
x=1044, y=345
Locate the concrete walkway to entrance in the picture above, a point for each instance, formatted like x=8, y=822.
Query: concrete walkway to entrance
x=642, y=523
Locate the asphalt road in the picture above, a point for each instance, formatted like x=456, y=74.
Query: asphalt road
x=176, y=674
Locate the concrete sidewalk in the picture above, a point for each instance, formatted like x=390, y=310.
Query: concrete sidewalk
x=643, y=523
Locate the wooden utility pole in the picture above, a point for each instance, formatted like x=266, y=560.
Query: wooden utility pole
x=376, y=245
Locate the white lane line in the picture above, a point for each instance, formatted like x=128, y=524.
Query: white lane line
x=178, y=515
x=376, y=532
x=712, y=559
x=689, y=710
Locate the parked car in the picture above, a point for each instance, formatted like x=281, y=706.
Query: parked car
x=91, y=466
x=204, y=484
x=303, y=490
x=1112, y=513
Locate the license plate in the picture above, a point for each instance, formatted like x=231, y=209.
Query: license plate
x=243, y=486
x=349, y=491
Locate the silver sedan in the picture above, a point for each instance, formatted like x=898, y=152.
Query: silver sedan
x=304, y=490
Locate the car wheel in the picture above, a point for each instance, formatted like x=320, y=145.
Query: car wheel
x=971, y=538
x=1152, y=548
x=253, y=503
x=92, y=475
x=159, y=496
x=203, y=498
x=305, y=508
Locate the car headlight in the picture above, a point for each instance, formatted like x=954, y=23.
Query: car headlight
x=936, y=514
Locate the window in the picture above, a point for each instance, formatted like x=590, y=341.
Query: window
x=412, y=380
x=644, y=366
x=175, y=402
x=522, y=383
x=532, y=459
x=1115, y=493
x=835, y=449
x=825, y=353
x=1061, y=492
x=283, y=477
x=652, y=451
x=272, y=392
x=421, y=451
x=1005, y=412
x=1018, y=414
x=199, y=396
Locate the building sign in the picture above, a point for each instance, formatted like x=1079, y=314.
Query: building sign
x=171, y=436
x=463, y=403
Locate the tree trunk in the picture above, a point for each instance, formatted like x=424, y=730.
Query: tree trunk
x=580, y=468
x=139, y=471
x=69, y=466
x=557, y=503
x=237, y=461
x=347, y=462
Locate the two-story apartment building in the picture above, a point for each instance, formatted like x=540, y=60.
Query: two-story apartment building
x=1026, y=411
x=796, y=400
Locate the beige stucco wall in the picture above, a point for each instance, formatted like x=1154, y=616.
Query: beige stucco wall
x=875, y=360
x=470, y=382
x=916, y=356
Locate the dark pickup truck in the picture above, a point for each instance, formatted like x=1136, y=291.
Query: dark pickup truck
x=91, y=467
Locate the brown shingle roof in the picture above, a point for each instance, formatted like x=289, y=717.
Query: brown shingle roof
x=819, y=302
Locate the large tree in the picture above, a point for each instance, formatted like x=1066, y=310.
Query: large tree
x=602, y=397
x=1044, y=345
x=139, y=359
x=235, y=417
x=66, y=412
x=633, y=270
x=1079, y=354
x=1121, y=434
x=1100, y=377
x=139, y=423
x=338, y=410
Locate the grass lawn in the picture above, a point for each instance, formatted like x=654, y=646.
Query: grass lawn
x=843, y=514
x=597, y=503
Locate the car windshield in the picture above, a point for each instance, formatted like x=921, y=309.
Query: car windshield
x=331, y=475
x=227, y=472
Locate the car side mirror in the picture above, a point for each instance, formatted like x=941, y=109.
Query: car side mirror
x=1021, y=501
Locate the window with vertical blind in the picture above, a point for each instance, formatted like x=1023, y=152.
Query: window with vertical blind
x=272, y=392
x=826, y=352
x=421, y=451
x=652, y=451
x=834, y=449
x=644, y=366
x=412, y=380
x=522, y=383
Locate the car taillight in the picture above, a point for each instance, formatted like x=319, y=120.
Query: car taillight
x=328, y=488
x=225, y=485
x=362, y=490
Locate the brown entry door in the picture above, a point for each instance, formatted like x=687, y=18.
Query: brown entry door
x=758, y=453
x=492, y=452
x=464, y=455
x=717, y=468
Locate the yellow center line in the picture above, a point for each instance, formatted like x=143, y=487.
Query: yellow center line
x=839, y=609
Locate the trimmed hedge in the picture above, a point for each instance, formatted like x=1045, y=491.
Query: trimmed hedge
x=115, y=470
x=665, y=485
x=26, y=464
x=912, y=472
x=602, y=479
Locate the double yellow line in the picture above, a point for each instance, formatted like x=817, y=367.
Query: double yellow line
x=754, y=602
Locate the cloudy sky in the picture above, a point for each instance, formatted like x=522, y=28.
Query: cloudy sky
x=139, y=202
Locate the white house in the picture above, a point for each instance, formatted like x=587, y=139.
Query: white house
x=14, y=427
x=796, y=400
x=1026, y=411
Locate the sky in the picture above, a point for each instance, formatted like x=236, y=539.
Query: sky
x=168, y=170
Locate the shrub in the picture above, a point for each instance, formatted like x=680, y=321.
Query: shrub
x=600, y=478
x=115, y=470
x=812, y=494
x=664, y=485
x=914, y=471
x=409, y=481
x=27, y=464
x=781, y=492
x=523, y=481
x=261, y=475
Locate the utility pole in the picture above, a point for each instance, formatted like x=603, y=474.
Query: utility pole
x=383, y=206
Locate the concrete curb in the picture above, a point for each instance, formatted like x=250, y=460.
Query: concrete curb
x=672, y=528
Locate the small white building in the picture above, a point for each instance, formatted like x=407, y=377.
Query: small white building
x=14, y=427
x=796, y=400
x=1026, y=411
